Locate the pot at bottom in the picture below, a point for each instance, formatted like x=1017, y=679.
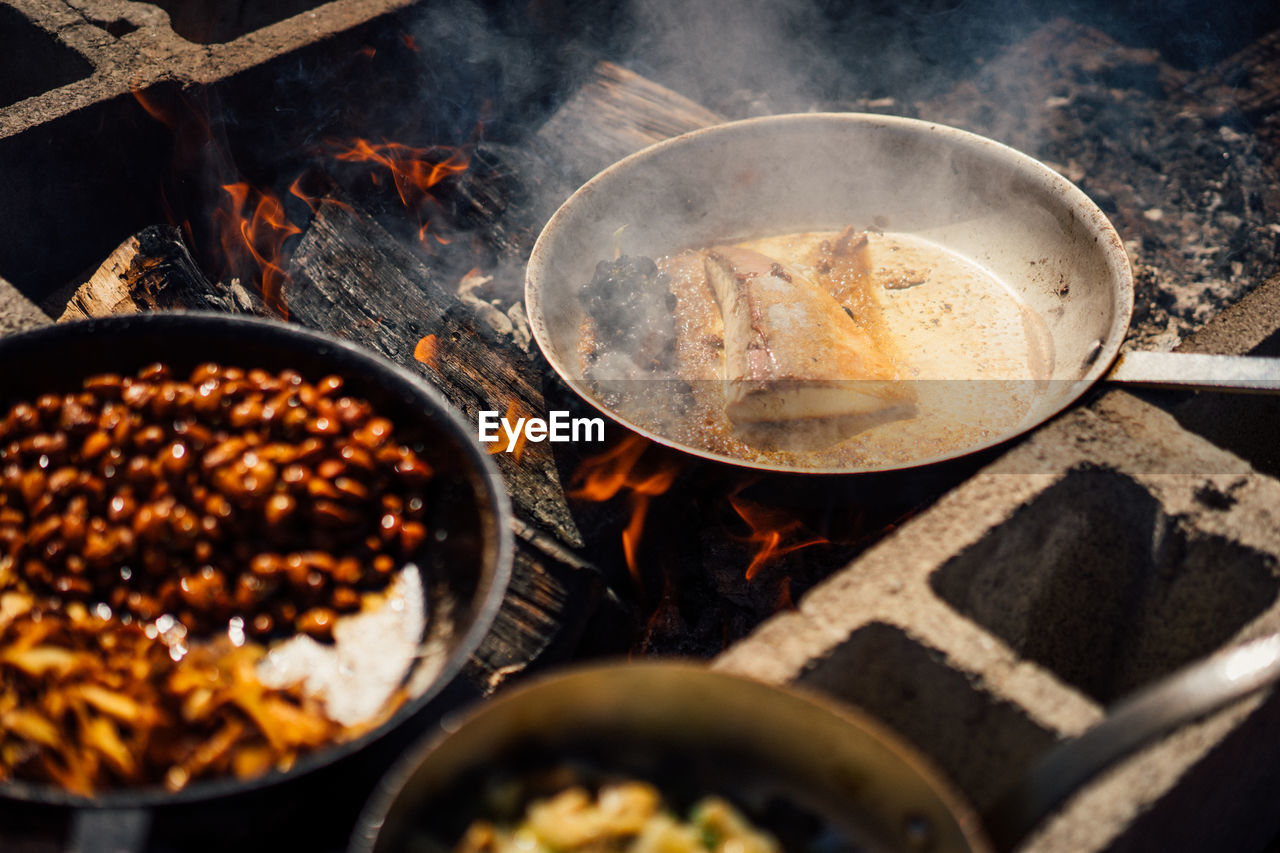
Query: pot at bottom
x=796, y=765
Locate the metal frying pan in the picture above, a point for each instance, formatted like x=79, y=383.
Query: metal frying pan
x=1002, y=211
x=465, y=577
x=677, y=724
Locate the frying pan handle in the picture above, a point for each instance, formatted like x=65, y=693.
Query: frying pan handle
x=1183, y=697
x=1198, y=372
x=122, y=830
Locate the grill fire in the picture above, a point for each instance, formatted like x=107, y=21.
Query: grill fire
x=356, y=169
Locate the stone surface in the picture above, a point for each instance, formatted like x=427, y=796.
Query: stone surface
x=147, y=50
x=17, y=313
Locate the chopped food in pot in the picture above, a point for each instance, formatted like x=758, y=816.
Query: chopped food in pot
x=626, y=817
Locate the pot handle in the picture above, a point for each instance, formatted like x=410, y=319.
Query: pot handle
x=1197, y=371
x=1181, y=698
x=122, y=830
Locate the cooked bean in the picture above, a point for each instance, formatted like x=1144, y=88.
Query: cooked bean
x=33, y=485
x=351, y=489
x=265, y=565
x=98, y=549
x=176, y=459
x=72, y=585
x=322, y=489
x=189, y=491
x=374, y=433
x=279, y=509
x=42, y=530
x=318, y=622
x=62, y=480
x=333, y=514
x=262, y=624
x=23, y=417
x=97, y=443
x=353, y=413
x=345, y=599
x=331, y=469
x=122, y=505
x=105, y=385
x=49, y=444
x=75, y=522
x=138, y=395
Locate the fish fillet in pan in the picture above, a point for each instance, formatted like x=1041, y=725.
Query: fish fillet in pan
x=793, y=352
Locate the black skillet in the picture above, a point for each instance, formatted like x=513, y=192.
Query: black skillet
x=466, y=574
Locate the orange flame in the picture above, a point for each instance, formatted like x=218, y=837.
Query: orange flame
x=513, y=413
x=250, y=227
x=253, y=223
x=414, y=171
x=603, y=477
x=151, y=106
x=773, y=531
x=425, y=352
x=295, y=189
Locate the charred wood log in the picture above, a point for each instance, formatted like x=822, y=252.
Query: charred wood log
x=151, y=271
x=354, y=280
x=615, y=113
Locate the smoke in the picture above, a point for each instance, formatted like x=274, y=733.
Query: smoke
x=758, y=53
x=760, y=56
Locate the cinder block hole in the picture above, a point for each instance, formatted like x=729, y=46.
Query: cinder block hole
x=117, y=27
x=1245, y=424
x=220, y=21
x=1094, y=581
x=981, y=743
x=33, y=62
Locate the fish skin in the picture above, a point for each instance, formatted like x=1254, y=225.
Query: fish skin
x=792, y=352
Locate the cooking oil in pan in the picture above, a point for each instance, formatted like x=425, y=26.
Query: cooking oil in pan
x=970, y=348
x=972, y=353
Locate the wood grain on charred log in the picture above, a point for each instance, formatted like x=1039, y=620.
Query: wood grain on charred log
x=151, y=271
x=353, y=279
x=615, y=113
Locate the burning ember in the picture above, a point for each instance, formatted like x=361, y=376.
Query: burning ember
x=710, y=551
x=425, y=351
x=248, y=230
